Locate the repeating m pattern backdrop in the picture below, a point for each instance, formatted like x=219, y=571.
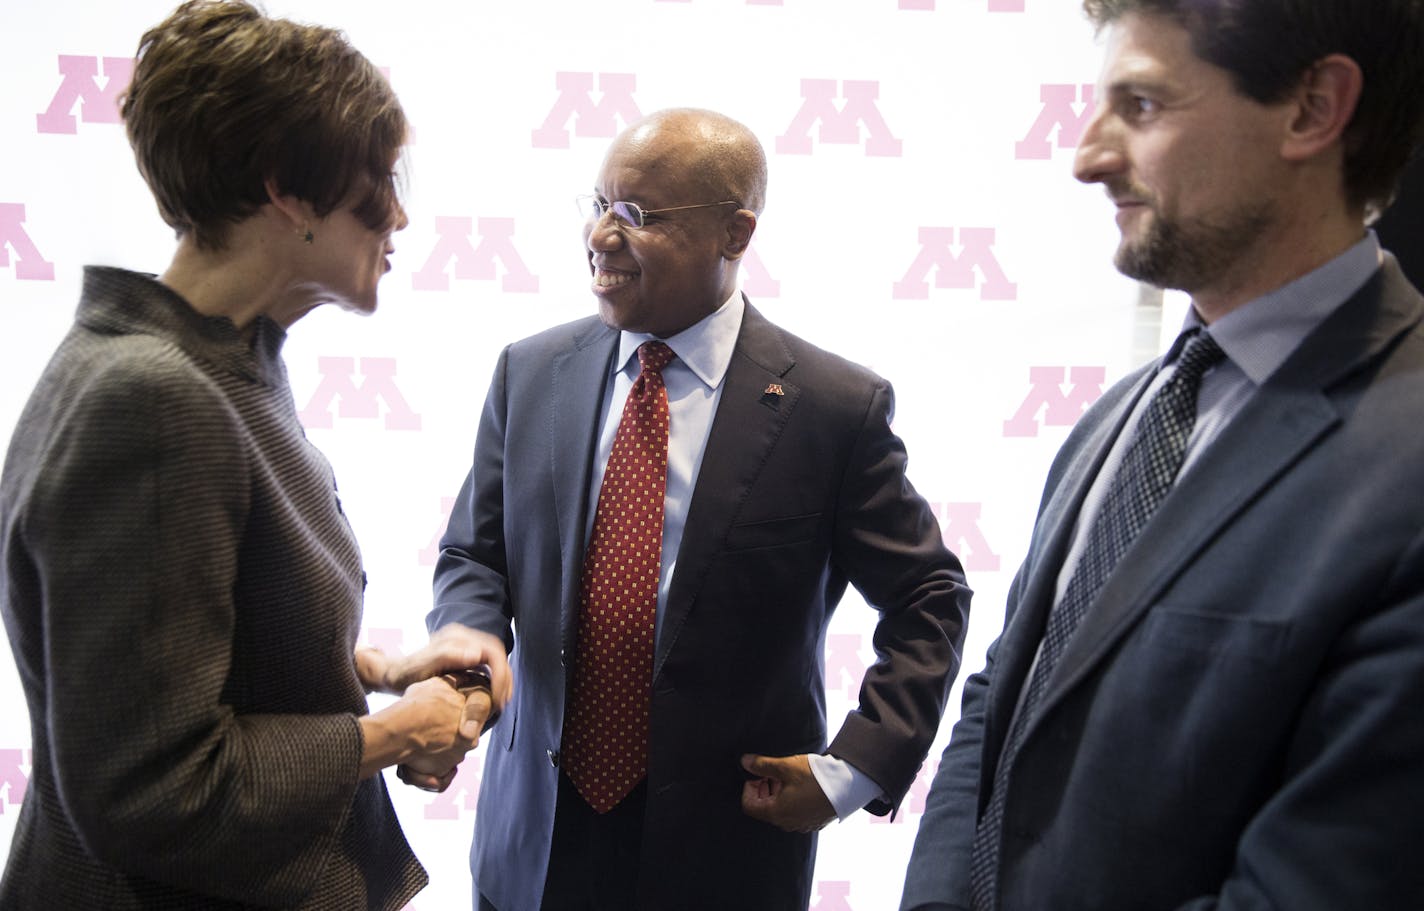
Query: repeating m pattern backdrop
x=922, y=219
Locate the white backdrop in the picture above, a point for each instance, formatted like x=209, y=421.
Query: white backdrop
x=922, y=219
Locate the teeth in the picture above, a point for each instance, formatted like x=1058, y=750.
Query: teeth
x=611, y=279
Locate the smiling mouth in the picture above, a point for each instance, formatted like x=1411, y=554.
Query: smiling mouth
x=604, y=279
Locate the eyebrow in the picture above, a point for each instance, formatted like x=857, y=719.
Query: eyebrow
x=1138, y=85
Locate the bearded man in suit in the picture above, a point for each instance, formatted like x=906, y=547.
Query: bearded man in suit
x=1206, y=693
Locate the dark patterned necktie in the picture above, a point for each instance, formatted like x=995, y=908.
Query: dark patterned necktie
x=1148, y=470
x=605, y=748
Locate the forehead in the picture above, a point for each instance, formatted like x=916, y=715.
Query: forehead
x=647, y=162
x=1153, y=49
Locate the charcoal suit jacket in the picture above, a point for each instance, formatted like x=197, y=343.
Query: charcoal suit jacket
x=1237, y=722
x=799, y=493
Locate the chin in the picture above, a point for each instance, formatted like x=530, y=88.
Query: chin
x=362, y=306
x=613, y=318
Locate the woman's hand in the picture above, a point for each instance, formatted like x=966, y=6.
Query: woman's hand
x=434, y=771
x=432, y=719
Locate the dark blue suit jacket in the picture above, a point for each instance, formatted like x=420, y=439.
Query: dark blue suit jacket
x=1239, y=721
x=798, y=495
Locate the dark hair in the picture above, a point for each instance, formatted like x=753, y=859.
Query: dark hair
x=224, y=98
x=1268, y=45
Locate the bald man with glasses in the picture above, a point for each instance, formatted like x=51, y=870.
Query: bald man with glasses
x=666, y=504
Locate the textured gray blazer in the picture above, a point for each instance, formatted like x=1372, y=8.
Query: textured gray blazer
x=183, y=595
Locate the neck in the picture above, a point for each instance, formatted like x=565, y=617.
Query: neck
x=1299, y=245
x=242, y=281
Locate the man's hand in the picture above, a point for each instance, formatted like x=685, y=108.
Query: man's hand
x=453, y=647
x=435, y=770
x=785, y=793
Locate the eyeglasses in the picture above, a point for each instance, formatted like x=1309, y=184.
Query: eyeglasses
x=630, y=214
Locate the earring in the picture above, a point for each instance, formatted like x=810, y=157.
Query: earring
x=307, y=235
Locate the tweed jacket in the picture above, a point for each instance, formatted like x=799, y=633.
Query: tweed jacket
x=182, y=595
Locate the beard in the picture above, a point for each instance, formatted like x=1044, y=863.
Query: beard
x=1190, y=253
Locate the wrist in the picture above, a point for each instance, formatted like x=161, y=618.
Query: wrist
x=381, y=744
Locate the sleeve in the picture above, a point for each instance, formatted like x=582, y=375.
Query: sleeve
x=846, y=787
x=890, y=548
x=1343, y=828
x=471, y=573
x=937, y=876
x=938, y=873
x=133, y=529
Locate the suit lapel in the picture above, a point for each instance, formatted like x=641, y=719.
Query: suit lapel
x=1053, y=534
x=1289, y=415
x=746, y=426
x=577, y=378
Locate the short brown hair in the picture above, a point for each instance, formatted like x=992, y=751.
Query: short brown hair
x=224, y=98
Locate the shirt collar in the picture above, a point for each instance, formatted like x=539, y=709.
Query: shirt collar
x=1259, y=335
x=705, y=346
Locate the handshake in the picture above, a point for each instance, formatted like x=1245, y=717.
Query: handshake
x=435, y=771
x=450, y=691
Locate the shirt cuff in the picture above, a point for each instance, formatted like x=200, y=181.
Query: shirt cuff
x=846, y=787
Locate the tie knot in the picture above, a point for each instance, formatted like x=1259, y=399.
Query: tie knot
x=654, y=356
x=1200, y=355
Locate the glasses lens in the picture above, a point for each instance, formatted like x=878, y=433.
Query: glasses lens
x=628, y=213
x=589, y=206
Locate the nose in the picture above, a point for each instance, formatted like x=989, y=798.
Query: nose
x=1099, y=154
x=603, y=232
x=397, y=220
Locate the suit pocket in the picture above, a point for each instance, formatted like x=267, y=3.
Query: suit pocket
x=507, y=722
x=773, y=532
x=1218, y=636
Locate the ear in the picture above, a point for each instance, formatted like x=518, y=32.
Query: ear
x=741, y=225
x=295, y=211
x=1323, y=104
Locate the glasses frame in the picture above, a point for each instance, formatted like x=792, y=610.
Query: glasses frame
x=605, y=206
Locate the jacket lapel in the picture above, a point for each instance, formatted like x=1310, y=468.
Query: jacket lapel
x=1053, y=533
x=746, y=426
x=577, y=379
x=1288, y=415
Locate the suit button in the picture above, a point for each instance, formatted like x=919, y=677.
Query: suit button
x=563, y=658
x=553, y=757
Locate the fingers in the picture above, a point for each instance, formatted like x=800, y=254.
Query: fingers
x=455, y=647
x=480, y=649
x=478, y=706
x=426, y=781
x=501, y=680
x=373, y=669
x=757, y=802
x=767, y=766
x=785, y=793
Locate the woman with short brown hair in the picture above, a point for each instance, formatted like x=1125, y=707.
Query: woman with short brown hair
x=180, y=587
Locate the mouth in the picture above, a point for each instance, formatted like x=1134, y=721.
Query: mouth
x=1127, y=208
x=1124, y=196
x=608, y=279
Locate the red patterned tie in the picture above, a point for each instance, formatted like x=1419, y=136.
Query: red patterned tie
x=605, y=748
